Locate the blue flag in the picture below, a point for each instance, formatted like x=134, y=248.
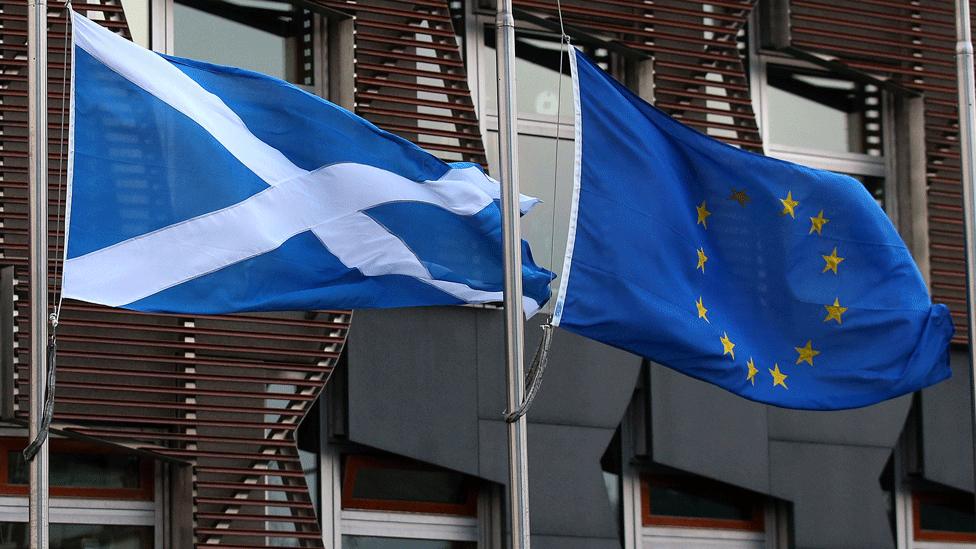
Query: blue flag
x=197, y=188
x=783, y=284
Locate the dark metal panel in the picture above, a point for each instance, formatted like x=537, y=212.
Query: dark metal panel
x=597, y=379
x=836, y=494
x=946, y=431
x=412, y=379
x=429, y=384
x=564, y=465
x=693, y=422
x=878, y=425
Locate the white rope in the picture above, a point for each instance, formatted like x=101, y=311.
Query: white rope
x=59, y=239
x=533, y=378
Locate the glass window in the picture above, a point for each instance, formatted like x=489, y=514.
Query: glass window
x=266, y=36
x=392, y=484
x=545, y=122
x=537, y=162
x=540, y=85
x=80, y=470
x=369, y=542
x=821, y=111
x=137, y=16
x=944, y=517
x=80, y=536
x=681, y=500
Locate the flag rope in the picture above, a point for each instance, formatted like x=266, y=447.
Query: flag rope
x=533, y=377
x=57, y=295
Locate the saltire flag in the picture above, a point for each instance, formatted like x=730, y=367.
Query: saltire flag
x=197, y=188
x=783, y=284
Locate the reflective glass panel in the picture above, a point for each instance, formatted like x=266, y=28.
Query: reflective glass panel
x=396, y=484
x=82, y=470
x=949, y=515
x=817, y=111
x=137, y=16
x=540, y=85
x=538, y=177
x=13, y=535
x=261, y=35
x=703, y=501
x=370, y=542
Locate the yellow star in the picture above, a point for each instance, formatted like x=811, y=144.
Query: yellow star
x=739, y=196
x=702, y=311
x=834, y=311
x=817, y=223
x=789, y=205
x=727, y=345
x=702, y=258
x=702, y=214
x=807, y=352
x=752, y=371
x=832, y=261
x=779, y=378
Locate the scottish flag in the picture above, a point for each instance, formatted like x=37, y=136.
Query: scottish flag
x=198, y=188
x=781, y=283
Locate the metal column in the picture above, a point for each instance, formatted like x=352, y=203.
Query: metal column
x=518, y=480
x=38, y=151
x=967, y=104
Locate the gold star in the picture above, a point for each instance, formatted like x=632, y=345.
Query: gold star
x=817, y=223
x=807, y=352
x=832, y=261
x=702, y=214
x=739, y=196
x=702, y=258
x=789, y=205
x=727, y=345
x=702, y=311
x=834, y=311
x=779, y=378
x=752, y=371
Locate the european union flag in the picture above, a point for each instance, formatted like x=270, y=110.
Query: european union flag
x=781, y=283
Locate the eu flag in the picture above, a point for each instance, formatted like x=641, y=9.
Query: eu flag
x=781, y=283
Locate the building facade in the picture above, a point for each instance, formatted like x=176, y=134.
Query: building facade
x=179, y=432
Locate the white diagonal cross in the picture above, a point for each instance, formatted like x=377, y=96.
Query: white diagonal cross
x=328, y=201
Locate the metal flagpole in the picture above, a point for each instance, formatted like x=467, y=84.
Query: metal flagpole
x=518, y=473
x=967, y=123
x=38, y=151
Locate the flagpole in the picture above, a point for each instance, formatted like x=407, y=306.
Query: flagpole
x=38, y=151
x=518, y=474
x=967, y=124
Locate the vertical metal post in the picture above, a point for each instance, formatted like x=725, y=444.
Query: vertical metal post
x=518, y=473
x=967, y=120
x=38, y=151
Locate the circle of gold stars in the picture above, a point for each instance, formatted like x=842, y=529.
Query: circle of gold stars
x=806, y=353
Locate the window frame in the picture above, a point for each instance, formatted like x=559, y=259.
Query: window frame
x=145, y=492
x=162, y=40
x=355, y=462
x=101, y=510
x=918, y=534
x=848, y=162
x=756, y=524
x=882, y=167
